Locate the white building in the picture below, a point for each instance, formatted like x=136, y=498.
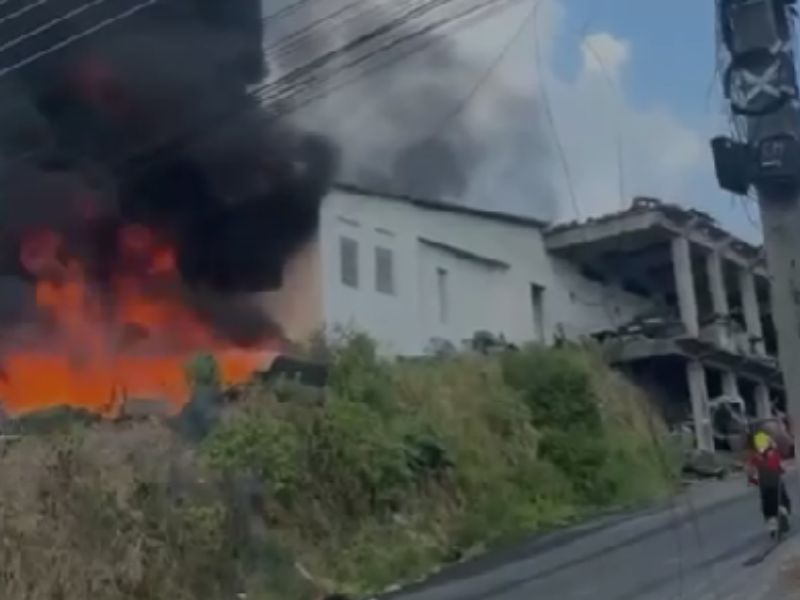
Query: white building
x=412, y=271
x=680, y=303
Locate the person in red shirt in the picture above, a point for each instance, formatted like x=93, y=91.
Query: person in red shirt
x=765, y=470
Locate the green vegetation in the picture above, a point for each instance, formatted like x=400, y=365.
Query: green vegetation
x=397, y=467
x=405, y=465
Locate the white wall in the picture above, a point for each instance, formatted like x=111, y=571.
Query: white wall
x=478, y=296
x=483, y=295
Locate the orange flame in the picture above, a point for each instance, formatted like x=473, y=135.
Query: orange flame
x=94, y=349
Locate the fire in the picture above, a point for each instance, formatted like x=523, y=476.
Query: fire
x=93, y=346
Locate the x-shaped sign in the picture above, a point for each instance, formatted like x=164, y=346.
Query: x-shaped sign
x=746, y=85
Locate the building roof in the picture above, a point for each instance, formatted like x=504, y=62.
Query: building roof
x=649, y=219
x=673, y=213
x=673, y=216
x=443, y=206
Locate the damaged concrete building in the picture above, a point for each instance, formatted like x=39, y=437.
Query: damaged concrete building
x=708, y=335
x=677, y=302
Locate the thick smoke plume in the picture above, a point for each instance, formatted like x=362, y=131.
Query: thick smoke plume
x=433, y=124
x=142, y=135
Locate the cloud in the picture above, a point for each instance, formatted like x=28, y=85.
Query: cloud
x=604, y=54
x=616, y=150
x=501, y=127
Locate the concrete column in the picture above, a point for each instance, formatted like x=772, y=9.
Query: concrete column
x=763, y=401
x=719, y=297
x=698, y=392
x=730, y=384
x=752, y=315
x=716, y=282
x=684, y=285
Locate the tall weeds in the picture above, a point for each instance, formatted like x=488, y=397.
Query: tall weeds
x=394, y=468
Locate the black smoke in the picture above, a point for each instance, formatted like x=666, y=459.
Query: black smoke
x=148, y=122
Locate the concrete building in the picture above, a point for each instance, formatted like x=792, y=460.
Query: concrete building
x=678, y=303
x=709, y=335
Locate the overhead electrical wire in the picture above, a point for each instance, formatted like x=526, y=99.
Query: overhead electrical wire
x=142, y=5
x=21, y=11
x=614, y=87
x=486, y=76
x=548, y=111
x=338, y=18
x=396, y=23
x=387, y=26
x=296, y=77
x=393, y=59
x=288, y=9
x=75, y=37
x=50, y=24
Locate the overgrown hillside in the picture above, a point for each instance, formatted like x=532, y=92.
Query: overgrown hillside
x=396, y=467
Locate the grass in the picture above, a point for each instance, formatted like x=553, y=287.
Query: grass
x=395, y=468
x=405, y=465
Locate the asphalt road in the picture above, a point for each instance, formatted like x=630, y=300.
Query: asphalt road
x=693, y=549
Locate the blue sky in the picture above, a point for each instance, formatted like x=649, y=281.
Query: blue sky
x=672, y=66
x=653, y=100
x=662, y=69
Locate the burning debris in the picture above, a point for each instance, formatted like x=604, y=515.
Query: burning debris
x=145, y=197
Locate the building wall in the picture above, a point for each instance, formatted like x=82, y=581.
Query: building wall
x=297, y=306
x=584, y=306
x=488, y=268
x=480, y=295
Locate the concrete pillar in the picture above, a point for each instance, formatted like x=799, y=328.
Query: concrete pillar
x=730, y=384
x=684, y=285
x=763, y=401
x=752, y=315
x=719, y=297
x=716, y=283
x=698, y=393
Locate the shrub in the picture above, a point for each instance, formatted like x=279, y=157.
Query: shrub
x=91, y=515
x=556, y=384
x=395, y=467
x=410, y=463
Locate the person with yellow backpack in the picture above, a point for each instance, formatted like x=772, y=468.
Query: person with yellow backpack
x=765, y=470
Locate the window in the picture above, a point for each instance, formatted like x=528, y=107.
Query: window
x=348, y=254
x=384, y=271
x=442, y=296
x=537, y=304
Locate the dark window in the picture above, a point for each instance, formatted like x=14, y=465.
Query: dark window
x=441, y=289
x=348, y=254
x=537, y=305
x=384, y=271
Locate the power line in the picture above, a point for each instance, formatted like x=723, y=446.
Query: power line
x=285, y=10
x=78, y=36
x=484, y=78
x=289, y=39
x=746, y=208
x=125, y=14
x=21, y=11
x=471, y=12
x=614, y=86
x=294, y=77
x=551, y=119
x=42, y=28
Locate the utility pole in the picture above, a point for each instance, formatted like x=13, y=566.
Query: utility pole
x=759, y=79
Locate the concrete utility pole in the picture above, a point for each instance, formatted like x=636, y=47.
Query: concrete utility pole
x=760, y=82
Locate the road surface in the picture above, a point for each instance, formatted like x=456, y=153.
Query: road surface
x=692, y=549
